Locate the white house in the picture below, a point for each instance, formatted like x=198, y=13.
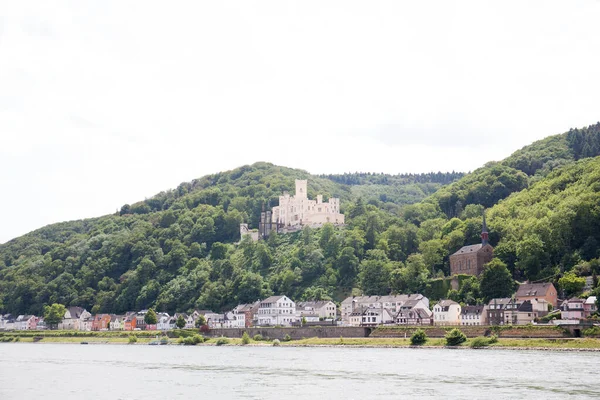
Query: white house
x=589, y=307
x=276, y=310
x=74, y=319
x=234, y=320
x=321, y=309
x=298, y=210
x=117, y=322
x=446, y=312
x=390, y=302
x=25, y=322
x=414, y=312
x=162, y=321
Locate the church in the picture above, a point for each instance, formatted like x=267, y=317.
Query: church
x=297, y=211
x=469, y=260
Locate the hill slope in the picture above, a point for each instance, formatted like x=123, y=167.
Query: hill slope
x=175, y=251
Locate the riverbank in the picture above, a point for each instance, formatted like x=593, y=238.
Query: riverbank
x=564, y=344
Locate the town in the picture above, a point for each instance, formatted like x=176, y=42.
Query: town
x=530, y=305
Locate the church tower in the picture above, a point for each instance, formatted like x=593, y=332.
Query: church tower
x=484, y=232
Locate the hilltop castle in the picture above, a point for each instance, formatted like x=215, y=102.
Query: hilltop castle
x=298, y=210
x=294, y=212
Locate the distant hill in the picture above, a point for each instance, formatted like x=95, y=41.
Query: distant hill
x=177, y=250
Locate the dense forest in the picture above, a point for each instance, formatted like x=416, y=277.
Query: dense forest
x=179, y=249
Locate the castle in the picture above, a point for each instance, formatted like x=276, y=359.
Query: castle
x=294, y=212
x=298, y=210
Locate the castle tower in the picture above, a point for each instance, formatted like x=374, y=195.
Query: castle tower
x=301, y=189
x=484, y=232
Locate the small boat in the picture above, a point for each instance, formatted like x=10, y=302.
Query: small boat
x=84, y=343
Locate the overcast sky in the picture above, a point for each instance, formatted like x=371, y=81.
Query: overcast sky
x=104, y=103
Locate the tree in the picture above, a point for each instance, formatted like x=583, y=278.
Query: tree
x=571, y=284
x=455, y=337
x=418, y=338
x=375, y=273
x=201, y=321
x=496, y=280
x=150, y=317
x=180, y=323
x=54, y=314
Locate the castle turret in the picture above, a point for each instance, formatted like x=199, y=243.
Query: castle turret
x=301, y=188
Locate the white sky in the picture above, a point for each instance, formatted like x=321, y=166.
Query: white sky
x=109, y=102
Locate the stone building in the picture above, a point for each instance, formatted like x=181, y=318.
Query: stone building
x=469, y=260
x=298, y=210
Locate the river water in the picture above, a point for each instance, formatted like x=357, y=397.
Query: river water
x=73, y=371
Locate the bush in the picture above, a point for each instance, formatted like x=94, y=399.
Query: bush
x=594, y=331
x=479, y=342
x=198, y=339
x=245, y=338
x=493, y=339
x=287, y=338
x=132, y=339
x=17, y=339
x=258, y=337
x=222, y=340
x=276, y=342
x=455, y=337
x=418, y=338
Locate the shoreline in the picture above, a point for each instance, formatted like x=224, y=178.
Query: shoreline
x=576, y=345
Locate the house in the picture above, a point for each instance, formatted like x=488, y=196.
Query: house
x=117, y=322
x=473, y=315
x=525, y=312
x=471, y=259
x=76, y=318
x=249, y=311
x=590, y=306
x=7, y=322
x=162, y=323
x=572, y=309
x=101, y=322
x=276, y=310
x=414, y=312
x=376, y=316
x=41, y=325
x=391, y=302
x=26, y=322
x=538, y=291
x=214, y=320
x=130, y=321
x=496, y=308
x=321, y=309
x=446, y=312
x=234, y=320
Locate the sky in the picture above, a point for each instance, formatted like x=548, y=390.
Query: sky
x=108, y=102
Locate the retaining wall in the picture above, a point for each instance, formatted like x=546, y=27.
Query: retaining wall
x=295, y=333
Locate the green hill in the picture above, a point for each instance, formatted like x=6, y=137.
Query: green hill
x=177, y=250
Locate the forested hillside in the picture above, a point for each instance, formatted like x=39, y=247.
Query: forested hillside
x=178, y=250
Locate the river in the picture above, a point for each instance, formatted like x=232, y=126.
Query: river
x=73, y=371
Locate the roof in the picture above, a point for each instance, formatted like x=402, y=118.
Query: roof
x=446, y=303
x=590, y=300
x=526, y=306
x=75, y=311
x=472, y=310
x=500, y=301
x=474, y=248
x=272, y=299
x=385, y=299
x=534, y=289
x=313, y=304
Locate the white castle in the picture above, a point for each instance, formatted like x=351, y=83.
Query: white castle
x=296, y=211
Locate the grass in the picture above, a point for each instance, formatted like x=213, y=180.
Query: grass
x=559, y=343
